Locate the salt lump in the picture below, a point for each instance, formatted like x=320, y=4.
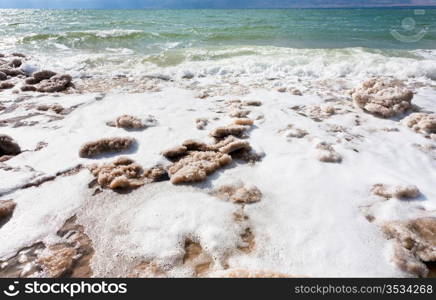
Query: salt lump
x=326, y=153
x=223, y=131
x=124, y=173
x=385, y=98
x=415, y=243
x=195, y=160
x=196, y=166
x=6, y=209
x=424, y=123
x=8, y=146
x=120, y=174
x=56, y=83
x=106, y=145
x=398, y=191
x=69, y=257
x=239, y=193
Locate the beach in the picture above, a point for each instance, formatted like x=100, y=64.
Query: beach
x=217, y=144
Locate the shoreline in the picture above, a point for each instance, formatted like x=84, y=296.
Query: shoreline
x=325, y=182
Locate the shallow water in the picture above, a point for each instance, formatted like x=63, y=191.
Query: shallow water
x=302, y=42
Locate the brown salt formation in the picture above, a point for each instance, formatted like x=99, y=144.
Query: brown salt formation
x=244, y=121
x=6, y=209
x=28, y=88
x=201, y=123
x=106, y=145
x=294, y=132
x=231, y=144
x=8, y=146
x=11, y=72
x=43, y=75
x=175, y=152
x=415, y=243
x=5, y=85
x=132, y=122
x=196, y=258
x=15, y=63
x=194, y=160
x=57, y=108
x=238, y=193
x=326, y=153
x=123, y=173
x=196, y=166
x=424, y=123
x=385, y=98
x=239, y=113
x=55, y=84
x=398, y=191
x=318, y=112
x=70, y=257
x=195, y=145
x=252, y=103
x=224, y=131
x=296, y=92
x=18, y=55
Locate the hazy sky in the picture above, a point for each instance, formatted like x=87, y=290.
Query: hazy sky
x=206, y=3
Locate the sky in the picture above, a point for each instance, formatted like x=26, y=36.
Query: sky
x=208, y=3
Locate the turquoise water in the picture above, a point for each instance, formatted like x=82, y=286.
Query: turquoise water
x=268, y=39
x=147, y=30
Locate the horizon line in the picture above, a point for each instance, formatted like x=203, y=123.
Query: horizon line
x=230, y=8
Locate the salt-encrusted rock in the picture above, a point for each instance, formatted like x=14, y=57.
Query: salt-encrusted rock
x=69, y=257
x=57, y=108
x=56, y=83
x=294, y=132
x=8, y=146
x=296, y=92
x=195, y=145
x=10, y=71
x=416, y=243
x=408, y=262
x=6, y=209
x=326, y=153
x=200, y=123
x=28, y=88
x=424, y=123
x=15, y=63
x=175, y=152
x=106, y=145
x=6, y=85
x=133, y=122
x=239, y=113
x=43, y=75
x=398, y=191
x=196, y=166
x=385, y=98
x=223, y=131
x=121, y=174
x=17, y=54
x=231, y=144
x=252, y=103
x=244, y=121
x=238, y=193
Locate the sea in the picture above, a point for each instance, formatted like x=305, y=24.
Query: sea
x=303, y=43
